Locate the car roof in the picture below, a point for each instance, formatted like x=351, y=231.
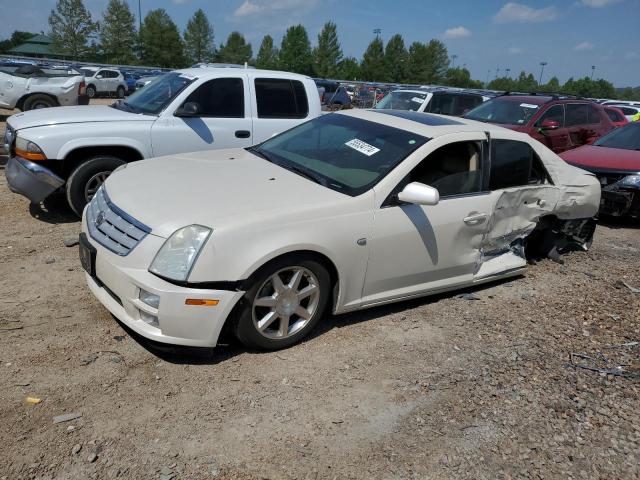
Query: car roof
x=427, y=124
x=203, y=72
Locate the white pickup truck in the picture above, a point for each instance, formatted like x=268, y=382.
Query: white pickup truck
x=182, y=111
x=28, y=88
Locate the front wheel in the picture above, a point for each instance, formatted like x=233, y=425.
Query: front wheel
x=85, y=180
x=91, y=91
x=120, y=92
x=285, y=301
x=37, y=101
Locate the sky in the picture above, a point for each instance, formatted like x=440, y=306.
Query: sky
x=487, y=36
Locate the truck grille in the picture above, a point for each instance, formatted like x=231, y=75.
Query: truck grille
x=111, y=227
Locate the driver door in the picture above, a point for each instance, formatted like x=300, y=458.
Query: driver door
x=417, y=248
x=223, y=121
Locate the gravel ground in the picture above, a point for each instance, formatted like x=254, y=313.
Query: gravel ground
x=443, y=387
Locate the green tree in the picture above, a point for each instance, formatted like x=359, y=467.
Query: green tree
x=502, y=83
x=295, y=51
x=236, y=50
x=427, y=63
x=118, y=32
x=525, y=83
x=395, y=60
x=328, y=54
x=267, y=55
x=71, y=27
x=198, y=38
x=348, y=69
x=553, y=85
x=460, y=77
x=372, y=66
x=17, y=38
x=160, y=40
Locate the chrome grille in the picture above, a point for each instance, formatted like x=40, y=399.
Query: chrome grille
x=111, y=227
x=8, y=139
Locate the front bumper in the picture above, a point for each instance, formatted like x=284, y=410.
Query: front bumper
x=30, y=179
x=117, y=286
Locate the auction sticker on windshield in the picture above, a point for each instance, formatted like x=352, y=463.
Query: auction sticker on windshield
x=528, y=105
x=362, y=147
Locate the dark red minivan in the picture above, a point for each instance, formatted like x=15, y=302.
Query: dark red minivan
x=559, y=122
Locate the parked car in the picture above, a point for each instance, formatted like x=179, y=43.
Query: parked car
x=130, y=79
x=629, y=111
x=332, y=94
x=559, y=122
x=344, y=212
x=104, y=81
x=632, y=103
x=615, y=160
x=441, y=101
x=616, y=115
x=27, y=87
x=182, y=111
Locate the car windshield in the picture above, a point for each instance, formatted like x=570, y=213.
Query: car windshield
x=157, y=94
x=340, y=152
x=399, y=100
x=626, y=138
x=508, y=111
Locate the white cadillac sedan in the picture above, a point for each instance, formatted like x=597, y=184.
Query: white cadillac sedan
x=347, y=211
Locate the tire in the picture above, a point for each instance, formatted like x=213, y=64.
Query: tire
x=120, y=92
x=314, y=283
x=37, y=101
x=91, y=91
x=87, y=177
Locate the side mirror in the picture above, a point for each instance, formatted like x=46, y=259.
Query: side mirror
x=550, y=125
x=420, y=194
x=189, y=109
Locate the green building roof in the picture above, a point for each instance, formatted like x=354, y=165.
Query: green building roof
x=38, y=45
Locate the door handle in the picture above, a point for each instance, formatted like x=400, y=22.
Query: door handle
x=475, y=219
x=243, y=133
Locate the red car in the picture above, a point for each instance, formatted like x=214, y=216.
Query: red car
x=616, y=115
x=559, y=122
x=615, y=160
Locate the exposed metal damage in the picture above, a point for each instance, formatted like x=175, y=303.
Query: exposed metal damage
x=621, y=198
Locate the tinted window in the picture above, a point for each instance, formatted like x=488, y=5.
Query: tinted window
x=554, y=113
x=594, y=115
x=464, y=103
x=454, y=169
x=627, y=137
x=281, y=98
x=577, y=114
x=344, y=153
x=628, y=111
x=514, y=164
x=222, y=97
x=613, y=115
x=442, y=103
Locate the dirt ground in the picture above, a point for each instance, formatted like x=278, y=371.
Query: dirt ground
x=443, y=387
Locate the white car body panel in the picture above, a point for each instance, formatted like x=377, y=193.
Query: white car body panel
x=259, y=211
x=13, y=87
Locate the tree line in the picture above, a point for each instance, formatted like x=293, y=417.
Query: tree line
x=159, y=42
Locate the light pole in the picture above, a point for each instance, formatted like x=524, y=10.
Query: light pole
x=508, y=70
x=139, y=16
x=377, y=32
x=488, y=74
x=593, y=69
x=497, y=71
x=542, y=65
x=453, y=60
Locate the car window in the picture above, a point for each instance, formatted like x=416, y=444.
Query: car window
x=402, y=101
x=514, y=164
x=281, y=98
x=454, y=169
x=577, y=114
x=554, y=113
x=220, y=98
x=627, y=138
x=628, y=111
x=594, y=115
x=613, y=115
x=463, y=103
x=441, y=103
x=505, y=110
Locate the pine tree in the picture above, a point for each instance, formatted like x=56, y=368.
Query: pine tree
x=71, y=27
x=295, y=51
x=236, y=50
x=160, y=40
x=267, y=55
x=328, y=54
x=395, y=60
x=372, y=66
x=118, y=32
x=198, y=38
x=427, y=63
x=348, y=69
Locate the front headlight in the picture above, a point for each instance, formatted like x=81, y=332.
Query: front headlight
x=29, y=150
x=630, y=181
x=176, y=257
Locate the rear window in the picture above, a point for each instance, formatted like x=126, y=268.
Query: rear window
x=577, y=114
x=514, y=164
x=614, y=115
x=505, y=110
x=281, y=98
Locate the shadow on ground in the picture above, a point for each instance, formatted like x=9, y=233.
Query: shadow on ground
x=54, y=209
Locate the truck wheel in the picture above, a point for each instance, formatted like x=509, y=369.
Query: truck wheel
x=38, y=101
x=90, y=91
x=85, y=180
x=120, y=92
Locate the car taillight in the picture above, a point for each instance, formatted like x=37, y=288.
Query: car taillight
x=81, y=88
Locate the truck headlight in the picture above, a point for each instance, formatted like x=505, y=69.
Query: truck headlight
x=176, y=257
x=630, y=181
x=29, y=150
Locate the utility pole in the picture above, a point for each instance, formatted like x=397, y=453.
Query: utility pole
x=508, y=70
x=593, y=69
x=139, y=16
x=377, y=32
x=542, y=65
x=453, y=60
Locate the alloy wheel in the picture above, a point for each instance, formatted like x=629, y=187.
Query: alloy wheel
x=94, y=183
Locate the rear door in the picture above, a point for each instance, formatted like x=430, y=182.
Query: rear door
x=556, y=140
x=102, y=81
x=223, y=121
x=578, y=121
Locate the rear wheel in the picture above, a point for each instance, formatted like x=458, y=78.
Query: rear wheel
x=91, y=91
x=37, y=101
x=120, y=92
x=85, y=180
x=285, y=301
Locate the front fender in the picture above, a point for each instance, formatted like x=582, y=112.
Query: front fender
x=71, y=145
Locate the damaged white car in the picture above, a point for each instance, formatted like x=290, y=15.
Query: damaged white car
x=347, y=211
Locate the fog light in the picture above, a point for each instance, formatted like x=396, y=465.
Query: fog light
x=150, y=319
x=150, y=299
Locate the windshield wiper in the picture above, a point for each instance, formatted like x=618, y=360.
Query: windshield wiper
x=122, y=105
x=304, y=173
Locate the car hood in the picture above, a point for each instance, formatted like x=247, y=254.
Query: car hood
x=593, y=158
x=79, y=114
x=221, y=188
